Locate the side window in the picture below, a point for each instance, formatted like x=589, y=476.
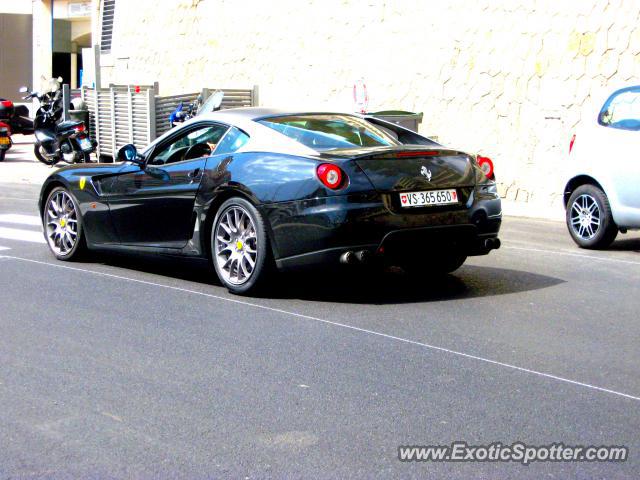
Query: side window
x=232, y=141
x=193, y=144
x=622, y=110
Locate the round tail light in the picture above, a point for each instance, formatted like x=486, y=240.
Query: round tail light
x=486, y=165
x=330, y=175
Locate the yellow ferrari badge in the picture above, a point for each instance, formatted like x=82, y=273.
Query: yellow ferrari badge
x=83, y=181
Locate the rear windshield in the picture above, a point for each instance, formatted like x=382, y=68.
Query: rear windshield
x=330, y=131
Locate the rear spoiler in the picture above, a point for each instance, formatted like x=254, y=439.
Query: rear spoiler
x=395, y=152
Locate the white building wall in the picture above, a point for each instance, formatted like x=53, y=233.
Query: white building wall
x=507, y=78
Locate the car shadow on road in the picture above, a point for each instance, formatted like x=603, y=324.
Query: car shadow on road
x=626, y=245
x=392, y=286
x=395, y=287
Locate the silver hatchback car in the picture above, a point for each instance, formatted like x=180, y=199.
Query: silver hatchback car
x=602, y=194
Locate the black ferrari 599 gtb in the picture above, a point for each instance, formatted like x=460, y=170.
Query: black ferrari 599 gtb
x=256, y=190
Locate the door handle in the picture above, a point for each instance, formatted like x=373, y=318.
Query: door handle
x=194, y=174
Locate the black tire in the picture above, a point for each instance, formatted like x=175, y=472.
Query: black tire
x=86, y=157
x=443, y=264
x=581, y=223
x=2, y=154
x=40, y=157
x=79, y=248
x=263, y=263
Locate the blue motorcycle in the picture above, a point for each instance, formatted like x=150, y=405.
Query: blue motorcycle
x=197, y=107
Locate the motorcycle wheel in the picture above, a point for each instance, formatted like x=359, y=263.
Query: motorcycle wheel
x=2, y=154
x=86, y=157
x=41, y=157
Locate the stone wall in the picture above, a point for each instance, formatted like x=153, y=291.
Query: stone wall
x=506, y=78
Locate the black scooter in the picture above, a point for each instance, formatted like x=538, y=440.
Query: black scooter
x=55, y=140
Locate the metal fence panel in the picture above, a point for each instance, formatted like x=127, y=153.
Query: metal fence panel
x=124, y=114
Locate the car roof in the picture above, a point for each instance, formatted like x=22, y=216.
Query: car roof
x=258, y=113
x=262, y=138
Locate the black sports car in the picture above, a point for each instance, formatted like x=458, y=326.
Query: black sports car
x=256, y=190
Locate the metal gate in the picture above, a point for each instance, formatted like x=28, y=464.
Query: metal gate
x=124, y=114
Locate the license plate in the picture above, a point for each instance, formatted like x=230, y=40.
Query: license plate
x=4, y=141
x=428, y=198
x=85, y=144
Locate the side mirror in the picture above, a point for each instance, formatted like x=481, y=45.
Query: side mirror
x=129, y=153
x=23, y=89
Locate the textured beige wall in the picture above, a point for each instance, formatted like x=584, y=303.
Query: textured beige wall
x=507, y=78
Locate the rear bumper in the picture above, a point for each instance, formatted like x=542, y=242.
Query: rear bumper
x=320, y=231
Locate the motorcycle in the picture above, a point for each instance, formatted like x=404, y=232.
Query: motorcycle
x=195, y=108
x=5, y=139
x=180, y=114
x=58, y=140
x=17, y=118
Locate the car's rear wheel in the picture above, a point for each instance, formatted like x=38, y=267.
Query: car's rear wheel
x=589, y=218
x=62, y=224
x=240, y=247
x=443, y=264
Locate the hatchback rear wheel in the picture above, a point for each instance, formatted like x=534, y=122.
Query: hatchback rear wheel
x=589, y=218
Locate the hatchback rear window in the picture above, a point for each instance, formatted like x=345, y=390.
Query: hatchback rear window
x=330, y=131
x=622, y=110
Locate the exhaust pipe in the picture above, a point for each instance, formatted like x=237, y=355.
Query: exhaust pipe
x=363, y=256
x=348, y=258
x=492, y=243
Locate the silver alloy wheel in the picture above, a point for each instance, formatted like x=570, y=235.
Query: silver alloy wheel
x=585, y=217
x=61, y=224
x=236, y=245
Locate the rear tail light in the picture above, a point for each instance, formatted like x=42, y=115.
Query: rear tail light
x=79, y=128
x=331, y=175
x=7, y=103
x=571, y=142
x=486, y=165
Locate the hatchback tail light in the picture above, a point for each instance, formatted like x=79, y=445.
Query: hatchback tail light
x=571, y=142
x=486, y=165
x=331, y=175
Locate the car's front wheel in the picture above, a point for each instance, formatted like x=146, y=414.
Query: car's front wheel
x=589, y=218
x=62, y=224
x=240, y=247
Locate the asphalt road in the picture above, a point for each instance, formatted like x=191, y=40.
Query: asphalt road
x=147, y=368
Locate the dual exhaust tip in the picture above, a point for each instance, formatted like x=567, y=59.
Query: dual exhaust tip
x=352, y=258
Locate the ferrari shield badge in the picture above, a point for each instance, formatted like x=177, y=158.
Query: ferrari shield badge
x=83, y=181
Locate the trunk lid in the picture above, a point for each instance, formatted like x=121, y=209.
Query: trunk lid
x=404, y=169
